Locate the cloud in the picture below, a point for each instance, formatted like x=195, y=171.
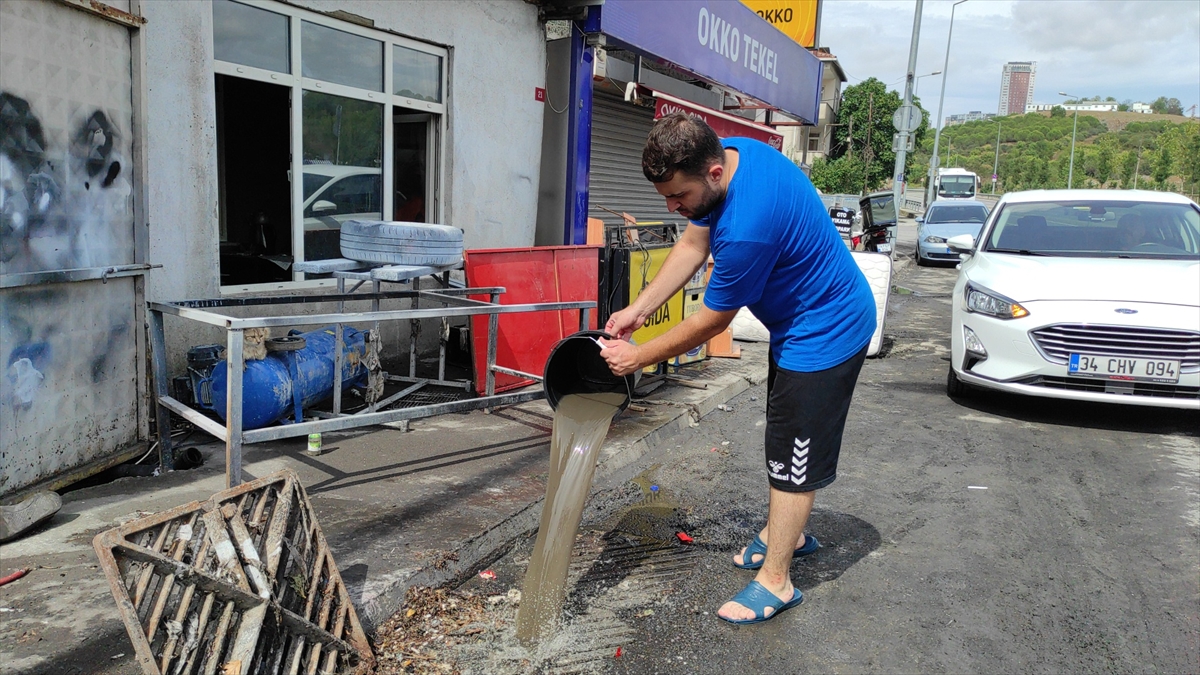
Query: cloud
x=1129, y=50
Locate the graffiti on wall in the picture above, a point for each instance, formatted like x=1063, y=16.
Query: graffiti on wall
x=67, y=389
x=61, y=207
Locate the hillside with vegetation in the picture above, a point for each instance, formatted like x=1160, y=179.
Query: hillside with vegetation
x=1112, y=150
x=1119, y=150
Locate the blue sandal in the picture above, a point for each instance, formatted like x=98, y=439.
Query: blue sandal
x=757, y=547
x=756, y=597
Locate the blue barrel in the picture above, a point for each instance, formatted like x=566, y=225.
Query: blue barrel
x=268, y=386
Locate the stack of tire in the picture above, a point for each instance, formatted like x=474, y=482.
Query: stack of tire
x=393, y=243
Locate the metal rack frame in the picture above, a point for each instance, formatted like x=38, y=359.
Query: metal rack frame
x=453, y=303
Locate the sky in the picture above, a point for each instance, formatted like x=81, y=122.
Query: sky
x=1127, y=49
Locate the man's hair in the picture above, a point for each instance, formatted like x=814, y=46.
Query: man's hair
x=680, y=143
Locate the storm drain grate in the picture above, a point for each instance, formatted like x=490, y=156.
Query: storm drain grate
x=418, y=398
x=609, y=575
x=243, y=582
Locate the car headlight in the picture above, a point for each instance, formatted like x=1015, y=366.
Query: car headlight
x=984, y=301
x=935, y=240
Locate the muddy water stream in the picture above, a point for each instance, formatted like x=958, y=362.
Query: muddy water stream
x=580, y=425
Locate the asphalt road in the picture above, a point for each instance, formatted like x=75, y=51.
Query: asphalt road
x=1081, y=555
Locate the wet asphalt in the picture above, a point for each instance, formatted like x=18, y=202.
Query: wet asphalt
x=1081, y=555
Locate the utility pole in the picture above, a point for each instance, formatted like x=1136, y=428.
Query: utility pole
x=996, y=162
x=867, y=154
x=1137, y=169
x=907, y=116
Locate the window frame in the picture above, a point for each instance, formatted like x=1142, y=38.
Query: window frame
x=297, y=83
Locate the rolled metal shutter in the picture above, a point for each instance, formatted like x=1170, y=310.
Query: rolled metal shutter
x=619, y=131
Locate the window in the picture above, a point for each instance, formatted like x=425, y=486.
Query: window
x=814, y=143
x=1098, y=229
x=355, y=114
x=956, y=214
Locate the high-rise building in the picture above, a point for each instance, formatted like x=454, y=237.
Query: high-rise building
x=1016, y=87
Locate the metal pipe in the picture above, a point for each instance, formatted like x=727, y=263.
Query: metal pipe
x=233, y=408
x=493, y=329
x=195, y=418
x=158, y=359
x=414, y=331
x=383, y=417
x=517, y=373
x=937, y=136
x=1074, y=128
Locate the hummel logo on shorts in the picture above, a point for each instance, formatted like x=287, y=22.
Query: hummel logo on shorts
x=776, y=470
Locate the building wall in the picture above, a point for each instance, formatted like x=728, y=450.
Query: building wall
x=1018, y=90
x=493, y=143
x=68, y=341
x=492, y=149
x=1016, y=87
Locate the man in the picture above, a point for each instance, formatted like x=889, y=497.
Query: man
x=777, y=253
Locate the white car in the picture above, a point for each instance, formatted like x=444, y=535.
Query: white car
x=332, y=195
x=1091, y=295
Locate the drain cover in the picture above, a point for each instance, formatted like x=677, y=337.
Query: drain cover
x=243, y=582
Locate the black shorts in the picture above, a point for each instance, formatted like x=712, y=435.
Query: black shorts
x=806, y=414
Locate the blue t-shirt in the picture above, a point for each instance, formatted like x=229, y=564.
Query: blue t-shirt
x=776, y=251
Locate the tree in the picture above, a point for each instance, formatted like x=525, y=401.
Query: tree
x=1167, y=106
x=869, y=106
x=1104, y=163
x=1191, y=160
x=1058, y=111
x=843, y=175
x=1127, y=164
x=1162, y=164
x=1109, y=99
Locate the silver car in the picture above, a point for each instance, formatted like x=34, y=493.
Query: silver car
x=945, y=219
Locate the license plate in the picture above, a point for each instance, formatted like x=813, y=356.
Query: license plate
x=884, y=248
x=1124, y=368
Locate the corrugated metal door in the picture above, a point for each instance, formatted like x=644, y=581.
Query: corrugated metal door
x=619, y=131
x=69, y=311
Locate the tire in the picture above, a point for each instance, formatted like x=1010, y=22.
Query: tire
x=290, y=343
x=414, y=259
x=381, y=230
x=401, y=243
x=956, y=388
x=920, y=261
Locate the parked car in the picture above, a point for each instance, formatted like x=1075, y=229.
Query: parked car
x=332, y=195
x=1091, y=295
x=879, y=217
x=945, y=219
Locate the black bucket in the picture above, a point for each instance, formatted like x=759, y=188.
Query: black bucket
x=576, y=367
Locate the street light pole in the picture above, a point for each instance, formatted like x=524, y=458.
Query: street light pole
x=905, y=128
x=1074, y=127
x=937, y=136
x=917, y=87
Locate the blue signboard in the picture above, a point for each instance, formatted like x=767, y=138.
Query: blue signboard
x=722, y=41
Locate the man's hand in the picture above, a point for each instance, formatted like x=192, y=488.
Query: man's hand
x=622, y=357
x=622, y=324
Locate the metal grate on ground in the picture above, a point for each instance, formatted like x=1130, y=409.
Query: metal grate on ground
x=241, y=584
x=419, y=398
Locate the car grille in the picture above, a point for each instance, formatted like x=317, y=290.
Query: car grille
x=1099, y=386
x=1058, y=342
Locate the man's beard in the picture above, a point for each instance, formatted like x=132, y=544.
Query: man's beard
x=708, y=201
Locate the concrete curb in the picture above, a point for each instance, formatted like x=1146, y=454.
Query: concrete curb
x=468, y=556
